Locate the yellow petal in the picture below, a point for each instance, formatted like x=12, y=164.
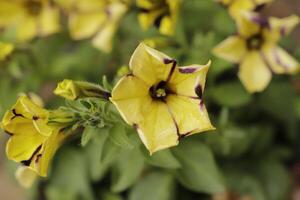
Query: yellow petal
x=21, y=147
x=281, y=27
x=167, y=26
x=237, y=8
x=148, y=19
x=49, y=148
x=49, y=21
x=5, y=50
x=85, y=25
x=25, y=176
x=26, y=29
x=280, y=61
x=150, y=65
x=129, y=95
x=186, y=80
x=103, y=40
x=247, y=25
x=9, y=12
x=190, y=114
x=254, y=72
x=233, y=49
x=157, y=130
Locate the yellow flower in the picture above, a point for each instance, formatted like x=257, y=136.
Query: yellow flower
x=96, y=19
x=162, y=101
x=29, y=18
x=255, y=49
x=5, y=50
x=161, y=13
x=72, y=90
x=32, y=142
x=237, y=8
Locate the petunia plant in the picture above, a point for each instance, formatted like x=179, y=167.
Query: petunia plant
x=100, y=99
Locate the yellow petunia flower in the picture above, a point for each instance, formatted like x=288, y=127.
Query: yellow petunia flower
x=29, y=18
x=162, y=101
x=32, y=142
x=237, y=8
x=161, y=13
x=96, y=19
x=5, y=50
x=255, y=49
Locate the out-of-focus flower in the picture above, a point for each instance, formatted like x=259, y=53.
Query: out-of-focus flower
x=96, y=19
x=161, y=13
x=72, y=90
x=237, y=8
x=5, y=50
x=255, y=49
x=29, y=18
x=25, y=176
x=162, y=101
x=33, y=142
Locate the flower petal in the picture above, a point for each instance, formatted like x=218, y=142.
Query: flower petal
x=280, y=61
x=21, y=147
x=150, y=65
x=129, y=95
x=281, y=27
x=194, y=119
x=42, y=161
x=26, y=29
x=104, y=38
x=85, y=25
x=254, y=72
x=186, y=80
x=25, y=176
x=249, y=24
x=157, y=130
x=49, y=21
x=233, y=49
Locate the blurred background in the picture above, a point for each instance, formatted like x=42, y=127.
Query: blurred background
x=46, y=61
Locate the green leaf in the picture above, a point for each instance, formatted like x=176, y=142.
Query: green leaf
x=70, y=174
x=111, y=196
x=199, y=171
x=88, y=134
x=118, y=135
x=164, y=159
x=126, y=170
x=275, y=178
x=231, y=94
x=101, y=154
x=156, y=185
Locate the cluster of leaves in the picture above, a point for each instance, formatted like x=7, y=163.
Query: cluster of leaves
x=251, y=153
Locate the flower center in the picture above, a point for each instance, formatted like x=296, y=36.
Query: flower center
x=255, y=42
x=159, y=91
x=33, y=7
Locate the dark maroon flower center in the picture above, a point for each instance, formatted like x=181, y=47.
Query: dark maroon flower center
x=159, y=91
x=33, y=7
x=255, y=42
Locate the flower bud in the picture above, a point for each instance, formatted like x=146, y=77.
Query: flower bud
x=72, y=90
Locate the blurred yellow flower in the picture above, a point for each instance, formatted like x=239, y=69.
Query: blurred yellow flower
x=5, y=50
x=96, y=19
x=236, y=8
x=32, y=142
x=25, y=176
x=72, y=90
x=255, y=49
x=162, y=101
x=161, y=13
x=29, y=18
